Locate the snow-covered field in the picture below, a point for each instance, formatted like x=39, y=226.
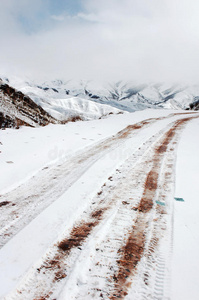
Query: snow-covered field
x=88, y=209
x=28, y=150
x=186, y=222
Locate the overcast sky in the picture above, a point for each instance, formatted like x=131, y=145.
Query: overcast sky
x=154, y=40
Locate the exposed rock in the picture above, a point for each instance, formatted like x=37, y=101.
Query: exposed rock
x=194, y=105
x=17, y=109
x=54, y=90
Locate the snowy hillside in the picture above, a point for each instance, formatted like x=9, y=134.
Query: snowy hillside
x=18, y=109
x=62, y=103
x=63, y=108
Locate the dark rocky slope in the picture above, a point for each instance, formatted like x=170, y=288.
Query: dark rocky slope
x=17, y=109
x=195, y=104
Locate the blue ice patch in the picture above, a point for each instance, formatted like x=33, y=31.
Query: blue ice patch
x=179, y=199
x=160, y=203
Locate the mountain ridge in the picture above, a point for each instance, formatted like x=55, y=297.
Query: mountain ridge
x=60, y=101
x=127, y=96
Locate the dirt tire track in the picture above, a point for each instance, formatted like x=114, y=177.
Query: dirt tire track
x=134, y=248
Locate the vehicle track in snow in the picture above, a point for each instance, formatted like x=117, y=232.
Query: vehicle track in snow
x=23, y=204
x=114, y=250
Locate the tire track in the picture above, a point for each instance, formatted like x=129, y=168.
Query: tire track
x=134, y=248
x=152, y=277
x=24, y=203
x=100, y=202
x=20, y=206
x=118, y=248
x=126, y=264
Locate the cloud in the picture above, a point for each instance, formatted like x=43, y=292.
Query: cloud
x=58, y=17
x=107, y=40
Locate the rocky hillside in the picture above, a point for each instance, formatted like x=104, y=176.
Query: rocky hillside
x=17, y=109
x=195, y=104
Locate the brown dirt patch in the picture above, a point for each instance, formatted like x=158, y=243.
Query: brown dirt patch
x=125, y=203
x=127, y=131
x=130, y=255
x=80, y=233
x=146, y=202
x=97, y=214
x=76, y=238
x=4, y=203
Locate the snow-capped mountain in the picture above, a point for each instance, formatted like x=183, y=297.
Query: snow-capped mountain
x=86, y=100
x=126, y=96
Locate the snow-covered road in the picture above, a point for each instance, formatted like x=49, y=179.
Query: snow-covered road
x=97, y=224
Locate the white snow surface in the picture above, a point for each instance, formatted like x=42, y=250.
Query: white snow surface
x=62, y=109
x=26, y=151
x=185, y=262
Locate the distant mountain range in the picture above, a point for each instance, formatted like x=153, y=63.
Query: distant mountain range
x=29, y=103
